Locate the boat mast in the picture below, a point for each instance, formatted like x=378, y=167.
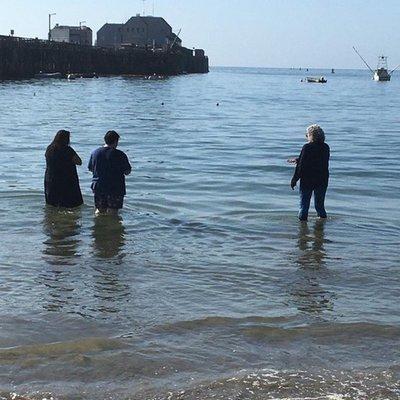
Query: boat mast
x=363, y=59
x=394, y=69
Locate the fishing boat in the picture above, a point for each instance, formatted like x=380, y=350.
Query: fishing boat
x=381, y=73
x=316, y=79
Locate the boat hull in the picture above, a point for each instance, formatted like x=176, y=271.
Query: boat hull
x=316, y=80
x=381, y=75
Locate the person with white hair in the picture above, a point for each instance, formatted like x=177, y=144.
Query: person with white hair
x=312, y=169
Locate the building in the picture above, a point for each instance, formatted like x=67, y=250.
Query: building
x=72, y=34
x=110, y=35
x=138, y=31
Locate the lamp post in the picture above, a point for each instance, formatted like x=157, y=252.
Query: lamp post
x=50, y=15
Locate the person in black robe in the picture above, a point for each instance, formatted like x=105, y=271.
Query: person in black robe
x=61, y=182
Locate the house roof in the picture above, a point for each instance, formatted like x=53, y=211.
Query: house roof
x=72, y=27
x=108, y=26
x=150, y=20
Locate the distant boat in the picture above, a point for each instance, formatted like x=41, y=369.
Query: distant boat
x=316, y=79
x=332, y=71
x=48, y=75
x=381, y=73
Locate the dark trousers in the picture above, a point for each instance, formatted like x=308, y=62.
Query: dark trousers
x=319, y=201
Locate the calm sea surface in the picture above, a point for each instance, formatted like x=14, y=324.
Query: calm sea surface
x=207, y=286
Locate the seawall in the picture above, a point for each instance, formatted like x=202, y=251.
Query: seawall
x=22, y=58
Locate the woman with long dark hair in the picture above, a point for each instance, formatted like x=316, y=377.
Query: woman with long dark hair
x=61, y=182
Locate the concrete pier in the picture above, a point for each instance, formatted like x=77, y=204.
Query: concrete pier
x=22, y=58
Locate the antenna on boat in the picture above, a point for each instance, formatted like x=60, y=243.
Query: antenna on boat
x=364, y=60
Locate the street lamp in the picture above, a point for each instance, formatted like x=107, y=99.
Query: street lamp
x=50, y=15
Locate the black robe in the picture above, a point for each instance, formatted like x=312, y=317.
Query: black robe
x=61, y=183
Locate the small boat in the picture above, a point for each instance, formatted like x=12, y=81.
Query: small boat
x=71, y=77
x=48, y=75
x=316, y=79
x=332, y=71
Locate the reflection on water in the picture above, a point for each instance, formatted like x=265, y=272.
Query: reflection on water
x=109, y=290
x=311, y=245
x=63, y=229
x=307, y=290
x=108, y=236
x=102, y=291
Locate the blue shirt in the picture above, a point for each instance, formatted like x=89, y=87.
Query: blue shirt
x=109, y=167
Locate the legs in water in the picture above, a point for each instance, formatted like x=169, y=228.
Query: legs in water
x=305, y=198
x=319, y=201
x=107, y=204
x=106, y=211
x=100, y=211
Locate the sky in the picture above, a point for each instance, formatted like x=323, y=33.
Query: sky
x=243, y=33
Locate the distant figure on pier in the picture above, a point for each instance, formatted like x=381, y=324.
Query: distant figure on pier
x=109, y=167
x=312, y=169
x=61, y=182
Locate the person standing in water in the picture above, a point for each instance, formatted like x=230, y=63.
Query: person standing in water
x=109, y=167
x=312, y=169
x=61, y=182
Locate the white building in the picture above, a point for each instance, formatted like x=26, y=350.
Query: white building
x=72, y=34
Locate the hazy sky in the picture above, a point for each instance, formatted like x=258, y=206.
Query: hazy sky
x=264, y=33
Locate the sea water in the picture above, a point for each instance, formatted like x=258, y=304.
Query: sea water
x=207, y=286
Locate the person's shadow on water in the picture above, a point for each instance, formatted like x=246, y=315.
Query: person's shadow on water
x=307, y=290
x=62, y=229
x=108, y=237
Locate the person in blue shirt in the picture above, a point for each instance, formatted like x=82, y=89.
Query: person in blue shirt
x=109, y=167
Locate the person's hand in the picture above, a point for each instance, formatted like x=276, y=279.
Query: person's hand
x=293, y=183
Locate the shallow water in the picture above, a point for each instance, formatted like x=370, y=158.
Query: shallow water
x=206, y=286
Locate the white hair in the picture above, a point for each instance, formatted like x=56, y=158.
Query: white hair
x=317, y=133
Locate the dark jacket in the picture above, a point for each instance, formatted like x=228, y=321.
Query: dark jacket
x=313, y=165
